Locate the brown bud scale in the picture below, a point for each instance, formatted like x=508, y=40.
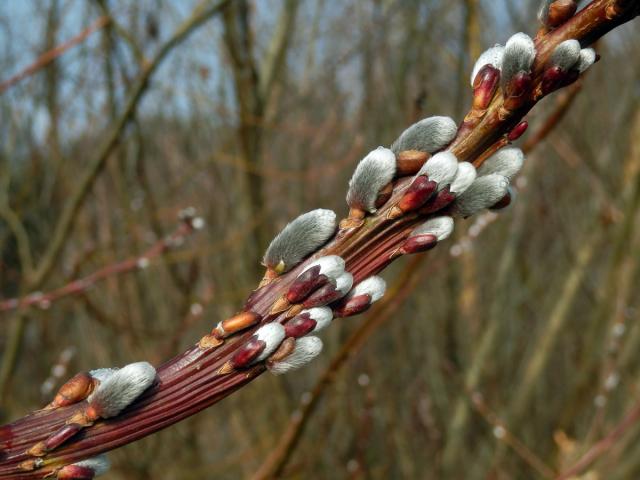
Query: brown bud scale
x=74, y=390
x=409, y=162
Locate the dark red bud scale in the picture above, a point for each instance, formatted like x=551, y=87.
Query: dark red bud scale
x=441, y=200
x=516, y=91
x=353, y=306
x=417, y=194
x=56, y=439
x=248, y=353
x=552, y=79
x=307, y=282
x=419, y=243
x=75, y=472
x=484, y=86
x=504, y=202
x=300, y=325
x=517, y=131
x=322, y=296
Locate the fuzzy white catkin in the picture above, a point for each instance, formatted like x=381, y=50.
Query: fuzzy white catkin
x=373, y=286
x=519, y=53
x=492, y=56
x=372, y=173
x=322, y=315
x=306, y=349
x=485, y=192
x=300, y=238
x=566, y=55
x=428, y=135
x=272, y=334
x=587, y=58
x=330, y=266
x=101, y=374
x=441, y=168
x=344, y=283
x=440, y=227
x=121, y=388
x=465, y=175
x=506, y=162
x=99, y=464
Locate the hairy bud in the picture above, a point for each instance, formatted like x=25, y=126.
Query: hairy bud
x=373, y=173
x=465, y=175
x=587, y=58
x=85, y=470
x=439, y=227
x=506, y=162
x=441, y=168
x=300, y=238
x=485, y=192
x=493, y=57
x=566, y=55
x=519, y=54
x=120, y=389
x=331, y=292
x=315, y=275
x=428, y=135
x=306, y=349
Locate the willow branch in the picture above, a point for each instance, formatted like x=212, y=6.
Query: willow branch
x=210, y=370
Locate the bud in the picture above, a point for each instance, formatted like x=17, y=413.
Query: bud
x=506, y=162
x=465, y=176
x=440, y=227
x=483, y=193
x=517, y=131
x=417, y=194
x=428, y=135
x=505, y=201
x=373, y=173
x=409, y=162
x=519, y=54
x=361, y=297
x=311, y=320
x=284, y=350
x=85, y=470
x=554, y=13
x=552, y=79
x=515, y=94
x=299, y=239
x=306, y=349
x=56, y=439
x=485, y=86
x=74, y=390
x=247, y=353
x=566, y=55
x=315, y=275
x=440, y=201
x=441, y=168
x=418, y=243
x=236, y=323
x=587, y=58
x=330, y=292
x=120, y=389
x=491, y=57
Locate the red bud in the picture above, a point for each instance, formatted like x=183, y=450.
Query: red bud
x=307, y=282
x=516, y=91
x=75, y=472
x=419, y=243
x=517, y=131
x=417, y=194
x=299, y=326
x=441, y=200
x=353, y=306
x=484, y=86
x=248, y=352
x=322, y=296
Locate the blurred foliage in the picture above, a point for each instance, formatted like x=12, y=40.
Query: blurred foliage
x=261, y=115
